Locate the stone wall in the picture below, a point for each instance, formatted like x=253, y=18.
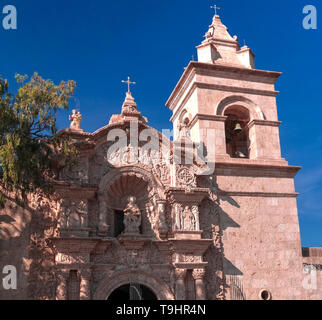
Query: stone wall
x=23, y=244
x=14, y=240
x=261, y=240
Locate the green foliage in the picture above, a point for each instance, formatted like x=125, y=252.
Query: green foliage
x=30, y=146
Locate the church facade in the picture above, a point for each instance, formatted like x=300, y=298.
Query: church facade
x=209, y=215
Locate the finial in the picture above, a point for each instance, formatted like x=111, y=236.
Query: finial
x=76, y=119
x=128, y=83
x=216, y=8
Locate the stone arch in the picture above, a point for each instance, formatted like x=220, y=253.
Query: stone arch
x=130, y=170
x=109, y=284
x=254, y=110
x=184, y=117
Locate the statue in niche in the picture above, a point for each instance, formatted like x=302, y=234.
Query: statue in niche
x=177, y=216
x=189, y=220
x=132, y=217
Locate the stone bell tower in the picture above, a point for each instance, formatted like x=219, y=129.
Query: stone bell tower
x=228, y=104
x=231, y=107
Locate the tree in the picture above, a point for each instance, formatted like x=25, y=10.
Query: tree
x=30, y=146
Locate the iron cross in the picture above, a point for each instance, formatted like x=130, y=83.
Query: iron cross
x=128, y=83
x=216, y=8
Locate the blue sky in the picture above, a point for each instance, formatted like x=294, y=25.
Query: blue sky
x=98, y=43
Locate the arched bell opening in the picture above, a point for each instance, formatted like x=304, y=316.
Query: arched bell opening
x=237, y=132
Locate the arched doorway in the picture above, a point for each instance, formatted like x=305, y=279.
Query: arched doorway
x=109, y=284
x=132, y=292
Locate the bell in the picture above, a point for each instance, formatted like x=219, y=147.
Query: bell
x=238, y=128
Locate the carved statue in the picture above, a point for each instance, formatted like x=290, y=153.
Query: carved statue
x=76, y=119
x=132, y=217
x=189, y=220
x=184, y=130
x=177, y=219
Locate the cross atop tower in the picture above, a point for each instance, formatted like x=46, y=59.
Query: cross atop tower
x=128, y=83
x=216, y=8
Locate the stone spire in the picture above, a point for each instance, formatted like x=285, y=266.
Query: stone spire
x=219, y=47
x=129, y=104
x=129, y=108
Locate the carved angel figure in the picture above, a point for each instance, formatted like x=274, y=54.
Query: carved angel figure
x=76, y=119
x=132, y=217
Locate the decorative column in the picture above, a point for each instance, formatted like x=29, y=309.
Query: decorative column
x=162, y=225
x=102, y=227
x=61, y=290
x=198, y=275
x=85, y=284
x=180, y=284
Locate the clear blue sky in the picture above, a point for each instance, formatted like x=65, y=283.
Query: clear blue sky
x=98, y=43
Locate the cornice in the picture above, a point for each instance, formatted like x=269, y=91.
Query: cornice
x=206, y=117
x=194, y=65
x=264, y=123
x=256, y=170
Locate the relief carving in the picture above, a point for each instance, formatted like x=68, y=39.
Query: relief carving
x=78, y=174
x=73, y=214
x=186, y=178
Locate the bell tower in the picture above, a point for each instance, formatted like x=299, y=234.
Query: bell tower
x=226, y=102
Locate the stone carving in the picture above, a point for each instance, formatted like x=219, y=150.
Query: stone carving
x=152, y=159
x=132, y=217
x=186, y=178
x=210, y=224
x=103, y=227
x=184, y=131
x=177, y=210
x=73, y=214
x=69, y=259
x=195, y=213
x=162, y=226
x=162, y=171
x=77, y=174
x=198, y=274
x=188, y=220
x=190, y=258
x=76, y=119
x=180, y=274
x=100, y=165
x=119, y=255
